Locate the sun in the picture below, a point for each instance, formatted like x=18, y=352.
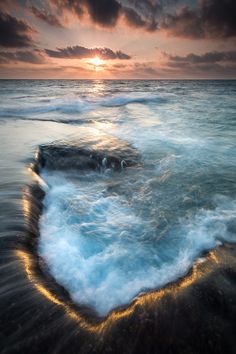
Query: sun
x=96, y=61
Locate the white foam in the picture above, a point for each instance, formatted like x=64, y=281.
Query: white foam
x=73, y=104
x=104, y=253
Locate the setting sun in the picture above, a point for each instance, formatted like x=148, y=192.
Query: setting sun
x=97, y=61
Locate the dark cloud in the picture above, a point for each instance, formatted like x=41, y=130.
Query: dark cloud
x=211, y=19
x=148, y=9
x=133, y=19
x=201, y=19
x=204, y=70
x=106, y=13
x=46, y=17
x=14, y=32
x=207, y=58
x=103, y=12
x=33, y=57
x=74, y=6
x=78, y=52
x=218, y=17
x=211, y=64
x=185, y=23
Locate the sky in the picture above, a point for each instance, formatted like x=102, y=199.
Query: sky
x=118, y=39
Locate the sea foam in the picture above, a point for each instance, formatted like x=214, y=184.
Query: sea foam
x=73, y=105
x=104, y=252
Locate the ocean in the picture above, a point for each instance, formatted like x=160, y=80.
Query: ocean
x=118, y=216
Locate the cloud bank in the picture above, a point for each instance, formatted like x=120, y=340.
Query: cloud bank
x=32, y=57
x=78, y=52
x=46, y=16
x=14, y=32
x=210, y=19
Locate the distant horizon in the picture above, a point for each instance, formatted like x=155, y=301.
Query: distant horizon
x=133, y=79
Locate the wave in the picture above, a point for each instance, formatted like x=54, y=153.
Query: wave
x=123, y=101
x=102, y=252
x=96, y=240
x=75, y=121
x=77, y=105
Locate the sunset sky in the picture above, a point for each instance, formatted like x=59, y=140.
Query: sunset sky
x=117, y=39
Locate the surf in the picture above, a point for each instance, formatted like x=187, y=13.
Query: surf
x=100, y=236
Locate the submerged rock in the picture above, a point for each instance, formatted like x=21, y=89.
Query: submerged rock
x=111, y=153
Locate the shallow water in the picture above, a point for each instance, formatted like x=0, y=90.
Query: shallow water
x=107, y=235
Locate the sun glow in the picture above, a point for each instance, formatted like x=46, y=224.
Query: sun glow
x=97, y=61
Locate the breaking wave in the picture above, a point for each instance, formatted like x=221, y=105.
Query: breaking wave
x=105, y=230
x=74, y=105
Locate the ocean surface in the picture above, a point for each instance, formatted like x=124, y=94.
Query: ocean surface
x=136, y=184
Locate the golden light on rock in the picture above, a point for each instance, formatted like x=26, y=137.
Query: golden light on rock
x=143, y=300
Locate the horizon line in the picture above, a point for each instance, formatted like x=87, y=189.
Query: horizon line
x=133, y=79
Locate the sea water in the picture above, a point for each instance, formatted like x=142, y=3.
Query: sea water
x=105, y=235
